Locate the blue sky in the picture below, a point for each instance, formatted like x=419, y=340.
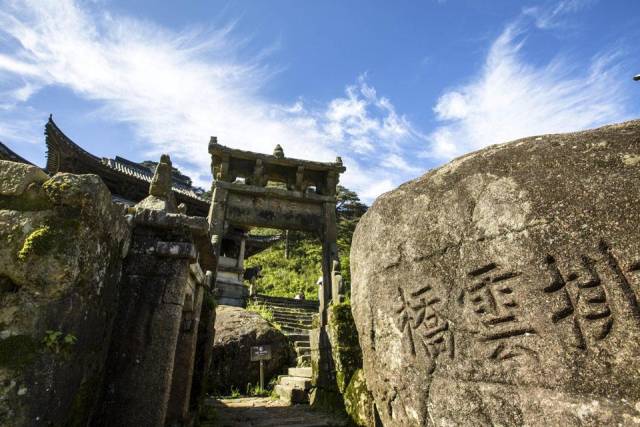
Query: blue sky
x=395, y=88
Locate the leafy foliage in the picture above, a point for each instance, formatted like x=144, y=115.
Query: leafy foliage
x=264, y=311
x=57, y=342
x=286, y=277
x=281, y=276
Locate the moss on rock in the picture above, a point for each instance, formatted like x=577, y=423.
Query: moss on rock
x=38, y=242
x=358, y=401
x=347, y=354
x=17, y=351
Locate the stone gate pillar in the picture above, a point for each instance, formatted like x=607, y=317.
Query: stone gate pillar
x=217, y=217
x=178, y=412
x=329, y=255
x=141, y=356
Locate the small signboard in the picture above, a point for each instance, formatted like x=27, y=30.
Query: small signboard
x=261, y=352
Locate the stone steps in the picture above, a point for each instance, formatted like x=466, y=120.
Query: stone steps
x=293, y=316
x=301, y=345
x=287, y=302
x=302, y=337
x=294, y=389
x=291, y=312
x=298, y=382
x=295, y=319
x=291, y=324
x=291, y=394
x=292, y=330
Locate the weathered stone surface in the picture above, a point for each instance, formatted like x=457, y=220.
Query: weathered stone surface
x=345, y=348
x=61, y=244
x=237, y=330
x=161, y=197
x=358, y=401
x=16, y=177
x=502, y=288
x=146, y=331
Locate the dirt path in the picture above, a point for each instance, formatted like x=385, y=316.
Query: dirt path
x=266, y=412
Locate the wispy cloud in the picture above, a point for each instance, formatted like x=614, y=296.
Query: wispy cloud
x=177, y=89
x=511, y=98
x=556, y=15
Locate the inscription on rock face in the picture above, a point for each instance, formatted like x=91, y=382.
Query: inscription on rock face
x=490, y=294
x=582, y=301
x=583, y=296
x=544, y=315
x=422, y=326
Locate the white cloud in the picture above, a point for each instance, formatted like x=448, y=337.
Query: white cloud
x=511, y=98
x=555, y=17
x=177, y=89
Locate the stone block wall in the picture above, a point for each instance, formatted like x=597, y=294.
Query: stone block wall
x=106, y=316
x=61, y=247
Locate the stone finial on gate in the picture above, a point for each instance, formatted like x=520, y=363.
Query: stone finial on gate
x=278, y=152
x=160, y=190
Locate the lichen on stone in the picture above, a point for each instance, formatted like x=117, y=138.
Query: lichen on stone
x=358, y=400
x=38, y=242
x=347, y=354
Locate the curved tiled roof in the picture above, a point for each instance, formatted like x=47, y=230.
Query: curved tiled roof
x=119, y=165
x=7, y=154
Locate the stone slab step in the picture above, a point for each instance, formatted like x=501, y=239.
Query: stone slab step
x=300, y=372
x=291, y=394
x=293, y=319
x=303, y=337
x=292, y=330
x=293, y=326
x=294, y=313
x=310, y=304
x=289, y=308
x=297, y=382
x=302, y=344
x=293, y=316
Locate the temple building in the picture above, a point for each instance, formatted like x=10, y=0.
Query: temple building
x=129, y=183
x=7, y=154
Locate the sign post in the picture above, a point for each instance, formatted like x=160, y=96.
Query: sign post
x=261, y=353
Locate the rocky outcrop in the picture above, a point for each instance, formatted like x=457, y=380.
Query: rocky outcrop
x=237, y=330
x=61, y=247
x=502, y=288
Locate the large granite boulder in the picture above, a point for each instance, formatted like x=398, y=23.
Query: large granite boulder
x=61, y=247
x=502, y=288
x=236, y=331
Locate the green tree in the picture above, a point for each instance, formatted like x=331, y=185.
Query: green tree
x=349, y=210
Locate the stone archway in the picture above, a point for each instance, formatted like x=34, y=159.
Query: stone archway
x=305, y=200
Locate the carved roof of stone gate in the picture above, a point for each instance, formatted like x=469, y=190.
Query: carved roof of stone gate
x=259, y=170
x=218, y=150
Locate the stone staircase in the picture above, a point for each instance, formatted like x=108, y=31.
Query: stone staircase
x=295, y=319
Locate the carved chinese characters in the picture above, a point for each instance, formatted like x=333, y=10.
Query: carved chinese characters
x=490, y=293
x=502, y=288
x=422, y=326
